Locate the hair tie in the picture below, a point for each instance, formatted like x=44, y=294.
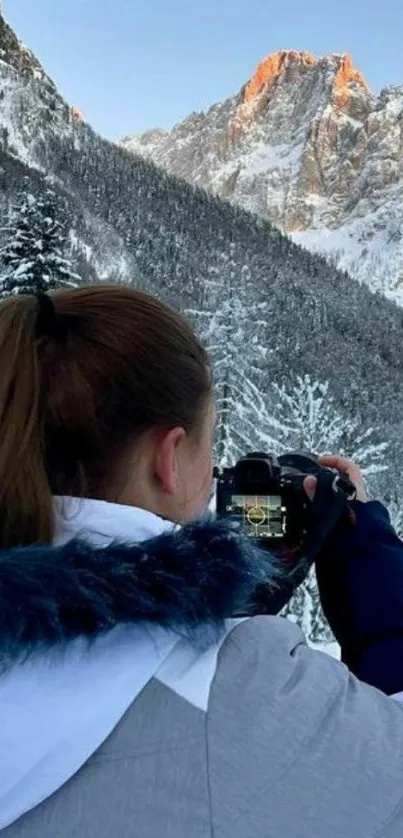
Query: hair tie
x=49, y=322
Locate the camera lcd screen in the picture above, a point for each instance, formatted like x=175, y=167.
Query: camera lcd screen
x=261, y=516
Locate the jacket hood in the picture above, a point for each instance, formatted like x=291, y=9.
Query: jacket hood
x=187, y=580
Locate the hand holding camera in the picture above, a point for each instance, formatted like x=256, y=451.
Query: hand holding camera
x=341, y=465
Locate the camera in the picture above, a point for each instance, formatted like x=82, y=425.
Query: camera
x=265, y=495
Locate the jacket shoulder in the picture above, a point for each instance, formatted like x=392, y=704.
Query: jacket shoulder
x=281, y=718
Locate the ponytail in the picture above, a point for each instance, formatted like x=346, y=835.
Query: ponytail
x=83, y=374
x=25, y=495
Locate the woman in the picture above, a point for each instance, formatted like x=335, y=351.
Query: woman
x=129, y=704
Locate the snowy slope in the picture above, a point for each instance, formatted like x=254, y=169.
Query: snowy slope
x=306, y=144
x=34, y=120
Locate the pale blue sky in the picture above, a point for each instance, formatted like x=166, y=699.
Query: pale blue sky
x=137, y=64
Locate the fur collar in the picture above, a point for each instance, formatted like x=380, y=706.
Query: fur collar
x=200, y=574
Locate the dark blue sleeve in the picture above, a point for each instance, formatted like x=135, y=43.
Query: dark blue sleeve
x=360, y=578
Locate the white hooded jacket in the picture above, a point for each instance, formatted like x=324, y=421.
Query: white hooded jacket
x=58, y=707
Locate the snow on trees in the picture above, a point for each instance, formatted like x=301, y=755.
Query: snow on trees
x=33, y=258
x=256, y=414
x=301, y=414
x=313, y=423
x=224, y=324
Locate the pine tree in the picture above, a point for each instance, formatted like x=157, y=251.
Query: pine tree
x=313, y=423
x=33, y=259
x=231, y=322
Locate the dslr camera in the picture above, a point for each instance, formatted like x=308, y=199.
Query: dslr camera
x=265, y=496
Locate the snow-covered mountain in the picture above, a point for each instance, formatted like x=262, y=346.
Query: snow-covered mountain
x=307, y=145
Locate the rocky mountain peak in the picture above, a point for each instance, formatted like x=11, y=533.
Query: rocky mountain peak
x=347, y=74
x=290, y=65
x=272, y=67
x=345, y=77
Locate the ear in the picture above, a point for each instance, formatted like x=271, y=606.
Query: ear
x=166, y=459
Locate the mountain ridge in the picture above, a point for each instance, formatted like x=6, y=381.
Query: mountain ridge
x=307, y=145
